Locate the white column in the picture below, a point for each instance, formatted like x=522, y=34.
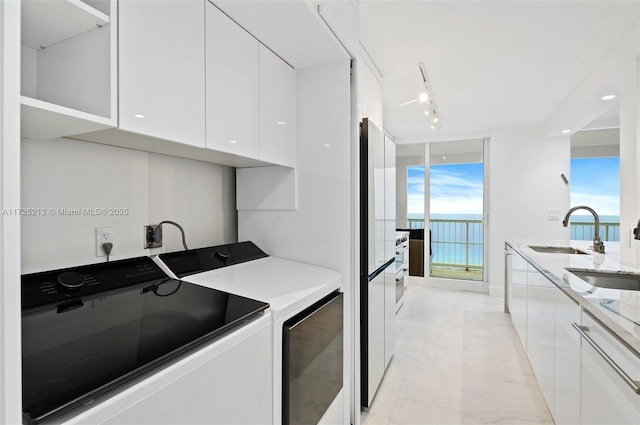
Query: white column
x=524, y=176
x=629, y=161
x=10, y=353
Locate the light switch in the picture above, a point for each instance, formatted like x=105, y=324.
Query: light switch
x=554, y=215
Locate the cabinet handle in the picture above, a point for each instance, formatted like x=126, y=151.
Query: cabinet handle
x=582, y=330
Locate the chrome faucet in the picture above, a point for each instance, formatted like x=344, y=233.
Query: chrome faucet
x=598, y=245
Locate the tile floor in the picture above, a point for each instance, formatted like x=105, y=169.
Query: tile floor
x=458, y=360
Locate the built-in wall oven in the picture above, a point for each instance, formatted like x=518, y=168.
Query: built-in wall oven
x=402, y=265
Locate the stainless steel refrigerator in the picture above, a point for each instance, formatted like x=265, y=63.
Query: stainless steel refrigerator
x=377, y=257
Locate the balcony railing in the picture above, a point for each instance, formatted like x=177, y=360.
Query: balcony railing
x=584, y=231
x=460, y=243
x=455, y=243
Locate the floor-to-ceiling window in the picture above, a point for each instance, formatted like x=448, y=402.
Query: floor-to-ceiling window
x=456, y=209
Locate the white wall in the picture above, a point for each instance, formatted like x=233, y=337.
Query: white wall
x=629, y=160
x=524, y=184
x=198, y=195
x=10, y=311
x=71, y=174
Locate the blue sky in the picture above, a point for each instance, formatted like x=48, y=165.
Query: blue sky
x=595, y=182
x=457, y=188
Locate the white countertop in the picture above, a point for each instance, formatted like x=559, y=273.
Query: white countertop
x=288, y=286
x=617, y=309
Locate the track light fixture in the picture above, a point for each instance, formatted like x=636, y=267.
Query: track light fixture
x=431, y=110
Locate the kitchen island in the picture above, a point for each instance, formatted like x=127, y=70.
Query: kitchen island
x=619, y=310
x=583, y=341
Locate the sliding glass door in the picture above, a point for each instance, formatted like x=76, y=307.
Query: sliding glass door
x=450, y=187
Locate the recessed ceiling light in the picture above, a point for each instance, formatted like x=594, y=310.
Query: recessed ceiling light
x=139, y=116
x=327, y=145
x=423, y=97
x=566, y=131
x=282, y=123
x=233, y=141
x=609, y=97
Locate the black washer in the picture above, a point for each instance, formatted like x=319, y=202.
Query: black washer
x=71, y=280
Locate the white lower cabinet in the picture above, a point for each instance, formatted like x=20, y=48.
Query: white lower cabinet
x=517, y=272
x=543, y=315
x=567, y=362
x=606, y=397
x=586, y=374
x=541, y=324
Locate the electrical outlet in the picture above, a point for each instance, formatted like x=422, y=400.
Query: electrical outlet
x=554, y=215
x=104, y=234
x=152, y=236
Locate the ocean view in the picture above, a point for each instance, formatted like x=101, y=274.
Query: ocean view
x=459, y=238
x=575, y=218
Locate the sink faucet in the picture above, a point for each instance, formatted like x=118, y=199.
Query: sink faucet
x=636, y=231
x=598, y=245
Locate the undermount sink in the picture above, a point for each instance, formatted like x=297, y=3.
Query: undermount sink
x=557, y=249
x=611, y=280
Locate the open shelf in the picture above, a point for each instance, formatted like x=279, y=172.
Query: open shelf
x=48, y=22
x=43, y=120
x=68, y=67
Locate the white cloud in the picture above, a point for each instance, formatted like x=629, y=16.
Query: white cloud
x=415, y=205
x=445, y=179
x=457, y=205
x=451, y=193
x=602, y=204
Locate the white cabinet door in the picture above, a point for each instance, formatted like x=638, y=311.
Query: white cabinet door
x=541, y=315
x=567, y=361
x=161, y=69
x=389, y=313
x=518, y=294
x=376, y=343
x=605, y=397
x=277, y=110
x=232, y=90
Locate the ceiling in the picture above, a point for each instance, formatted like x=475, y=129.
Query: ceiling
x=495, y=64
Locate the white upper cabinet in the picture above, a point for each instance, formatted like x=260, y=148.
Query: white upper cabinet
x=177, y=77
x=162, y=69
x=68, y=67
x=277, y=110
x=232, y=91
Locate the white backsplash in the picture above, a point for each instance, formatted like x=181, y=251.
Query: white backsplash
x=73, y=175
